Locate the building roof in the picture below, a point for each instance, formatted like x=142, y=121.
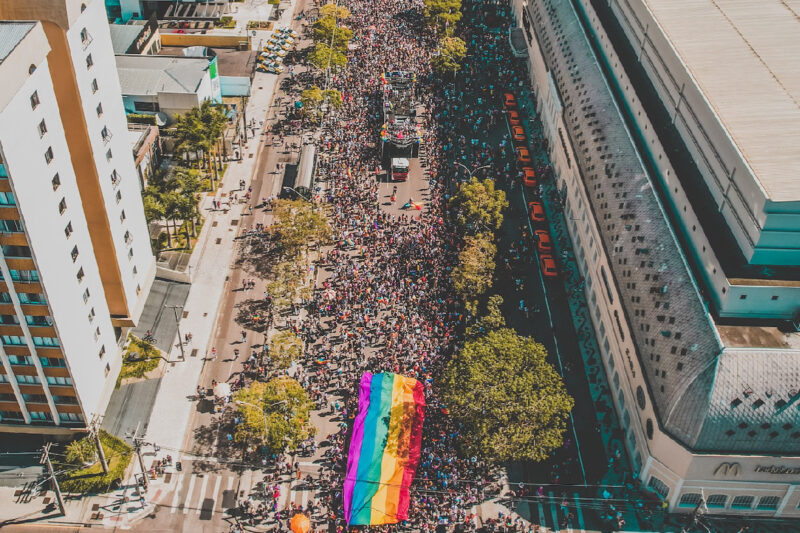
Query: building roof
x=689, y=371
x=123, y=36
x=150, y=75
x=743, y=57
x=11, y=33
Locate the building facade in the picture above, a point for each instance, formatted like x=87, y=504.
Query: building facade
x=709, y=407
x=76, y=260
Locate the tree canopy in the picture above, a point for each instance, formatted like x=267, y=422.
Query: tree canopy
x=285, y=407
x=443, y=15
x=285, y=347
x=297, y=225
x=332, y=10
x=479, y=206
x=323, y=56
x=327, y=31
x=512, y=403
x=473, y=275
x=450, y=54
x=490, y=320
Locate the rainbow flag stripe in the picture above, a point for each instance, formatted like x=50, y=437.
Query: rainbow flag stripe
x=384, y=449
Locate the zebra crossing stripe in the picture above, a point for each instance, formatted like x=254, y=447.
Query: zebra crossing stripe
x=177, y=495
x=541, y=512
x=230, y=487
x=216, y=490
x=189, y=493
x=579, y=513
x=553, y=512
x=202, y=494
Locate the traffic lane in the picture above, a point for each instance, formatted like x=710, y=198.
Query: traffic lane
x=415, y=188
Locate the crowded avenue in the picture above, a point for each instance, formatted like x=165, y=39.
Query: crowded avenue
x=383, y=302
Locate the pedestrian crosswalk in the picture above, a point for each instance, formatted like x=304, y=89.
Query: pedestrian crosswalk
x=192, y=492
x=551, y=512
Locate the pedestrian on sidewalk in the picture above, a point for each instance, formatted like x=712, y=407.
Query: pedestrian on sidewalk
x=244, y=336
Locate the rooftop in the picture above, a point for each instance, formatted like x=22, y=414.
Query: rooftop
x=150, y=75
x=717, y=42
x=11, y=33
x=693, y=370
x=123, y=36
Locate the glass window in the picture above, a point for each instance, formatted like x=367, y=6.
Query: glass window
x=39, y=415
x=5, y=298
x=48, y=155
x=742, y=502
x=74, y=253
x=9, y=319
x=10, y=250
x=34, y=320
x=62, y=206
x=68, y=230
x=56, y=182
x=58, y=380
x=42, y=128
x=768, y=502
x=7, y=198
x=658, y=486
x=89, y=61
x=717, y=501
x=94, y=85
x=27, y=380
x=10, y=226
x=31, y=298
x=100, y=110
x=4, y=378
x=13, y=340
x=689, y=499
x=45, y=341
x=34, y=100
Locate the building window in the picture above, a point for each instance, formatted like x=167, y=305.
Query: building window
x=108, y=369
x=10, y=226
x=96, y=333
x=641, y=399
x=94, y=86
x=68, y=230
x=690, y=499
x=74, y=253
x=62, y=206
x=57, y=380
x=135, y=271
x=86, y=296
x=102, y=351
x=768, y=502
x=48, y=155
x=9, y=319
x=33, y=298
x=7, y=198
x=742, y=502
x=55, y=362
x=649, y=429
x=122, y=216
x=70, y=418
x=10, y=250
x=774, y=297
x=27, y=380
x=89, y=61
x=119, y=196
x=128, y=237
x=130, y=254
x=34, y=100
x=91, y=315
x=105, y=134
x=42, y=128
x=659, y=486
x=14, y=340
x=36, y=320
x=114, y=176
x=99, y=110
x=46, y=341
x=56, y=181
x=717, y=501
x=85, y=38
x=743, y=297
x=80, y=275
x=39, y=416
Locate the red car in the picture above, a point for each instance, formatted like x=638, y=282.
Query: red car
x=523, y=155
x=518, y=134
x=537, y=211
x=528, y=177
x=513, y=117
x=509, y=101
x=548, y=265
x=543, y=241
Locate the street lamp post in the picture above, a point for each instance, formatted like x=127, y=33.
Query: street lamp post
x=178, y=325
x=471, y=172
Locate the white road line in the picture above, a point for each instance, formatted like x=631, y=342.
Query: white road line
x=230, y=488
x=216, y=490
x=541, y=512
x=579, y=513
x=177, y=495
x=304, y=499
x=202, y=494
x=189, y=494
x=553, y=511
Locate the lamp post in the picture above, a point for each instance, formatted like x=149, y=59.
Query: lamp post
x=178, y=325
x=471, y=172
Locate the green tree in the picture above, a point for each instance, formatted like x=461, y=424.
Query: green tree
x=154, y=208
x=472, y=277
x=311, y=98
x=285, y=347
x=327, y=31
x=298, y=224
x=323, y=56
x=276, y=413
x=290, y=282
x=81, y=451
x=332, y=10
x=511, y=401
x=479, y=206
x=490, y=320
x=333, y=97
x=442, y=15
x=450, y=54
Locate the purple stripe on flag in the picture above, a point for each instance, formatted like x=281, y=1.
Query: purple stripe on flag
x=355, y=443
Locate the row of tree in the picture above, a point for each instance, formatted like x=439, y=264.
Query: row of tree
x=172, y=196
x=331, y=38
x=198, y=136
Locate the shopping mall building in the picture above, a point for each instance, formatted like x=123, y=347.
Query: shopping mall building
x=674, y=127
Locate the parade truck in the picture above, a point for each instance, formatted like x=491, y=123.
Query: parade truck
x=400, y=134
x=398, y=171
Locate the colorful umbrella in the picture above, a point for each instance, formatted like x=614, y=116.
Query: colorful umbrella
x=300, y=523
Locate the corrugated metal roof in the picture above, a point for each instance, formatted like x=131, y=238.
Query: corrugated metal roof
x=123, y=36
x=150, y=75
x=11, y=33
x=744, y=57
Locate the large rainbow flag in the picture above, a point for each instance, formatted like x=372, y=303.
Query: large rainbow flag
x=384, y=449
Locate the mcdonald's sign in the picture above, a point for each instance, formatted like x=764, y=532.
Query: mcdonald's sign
x=728, y=470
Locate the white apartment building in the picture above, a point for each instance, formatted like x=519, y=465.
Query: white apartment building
x=76, y=258
x=710, y=407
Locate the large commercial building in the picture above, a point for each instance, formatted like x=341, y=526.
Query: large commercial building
x=672, y=128
x=76, y=261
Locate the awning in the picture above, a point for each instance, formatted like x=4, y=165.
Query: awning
x=234, y=85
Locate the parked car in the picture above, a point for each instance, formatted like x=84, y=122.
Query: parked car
x=509, y=101
x=548, y=266
x=528, y=177
x=513, y=117
x=537, y=211
x=523, y=155
x=543, y=241
x=518, y=134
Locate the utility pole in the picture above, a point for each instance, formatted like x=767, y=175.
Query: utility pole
x=244, y=123
x=137, y=445
x=178, y=325
x=94, y=432
x=46, y=460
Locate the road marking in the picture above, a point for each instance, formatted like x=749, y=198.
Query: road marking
x=202, y=494
x=230, y=488
x=541, y=511
x=579, y=513
x=304, y=499
x=216, y=490
x=177, y=495
x=189, y=494
x=554, y=511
